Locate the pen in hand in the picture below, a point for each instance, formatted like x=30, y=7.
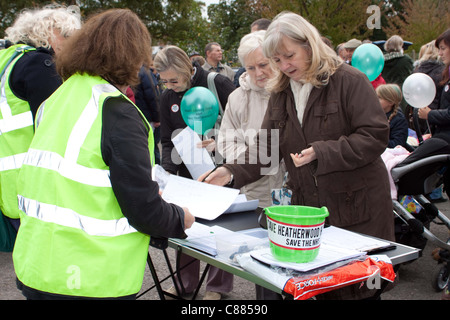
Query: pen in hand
x=211, y=172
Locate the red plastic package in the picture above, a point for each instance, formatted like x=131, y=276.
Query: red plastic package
x=302, y=288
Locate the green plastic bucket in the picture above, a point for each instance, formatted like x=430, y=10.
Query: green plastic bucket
x=295, y=232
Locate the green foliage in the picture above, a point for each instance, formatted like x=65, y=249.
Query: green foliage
x=230, y=21
x=419, y=21
x=180, y=22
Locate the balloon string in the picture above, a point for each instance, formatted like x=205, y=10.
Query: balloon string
x=428, y=125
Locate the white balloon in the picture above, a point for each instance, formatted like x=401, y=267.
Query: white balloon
x=419, y=90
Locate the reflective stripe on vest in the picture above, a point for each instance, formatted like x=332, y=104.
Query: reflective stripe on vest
x=10, y=122
x=67, y=166
x=69, y=218
x=16, y=130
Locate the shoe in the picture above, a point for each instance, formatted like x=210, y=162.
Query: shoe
x=173, y=291
x=435, y=254
x=446, y=294
x=437, y=200
x=210, y=295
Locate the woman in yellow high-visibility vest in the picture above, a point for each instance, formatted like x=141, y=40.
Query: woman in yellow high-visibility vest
x=28, y=77
x=88, y=202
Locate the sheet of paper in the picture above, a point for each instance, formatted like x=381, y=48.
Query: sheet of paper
x=327, y=255
x=197, y=160
x=345, y=239
x=161, y=176
x=203, y=200
x=203, y=238
x=241, y=204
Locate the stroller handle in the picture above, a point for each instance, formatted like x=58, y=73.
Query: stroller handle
x=414, y=223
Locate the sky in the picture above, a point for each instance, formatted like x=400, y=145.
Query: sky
x=207, y=3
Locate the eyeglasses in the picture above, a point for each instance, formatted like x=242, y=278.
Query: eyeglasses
x=168, y=81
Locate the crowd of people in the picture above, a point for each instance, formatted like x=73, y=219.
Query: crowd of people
x=85, y=106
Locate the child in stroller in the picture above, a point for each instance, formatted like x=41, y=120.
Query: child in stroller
x=419, y=174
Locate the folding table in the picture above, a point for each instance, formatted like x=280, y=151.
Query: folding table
x=398, y=253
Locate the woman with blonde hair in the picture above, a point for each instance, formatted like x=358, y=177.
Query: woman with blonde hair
x=390, y=96
x=28, y=77
x=178, y=73
x=331, y=130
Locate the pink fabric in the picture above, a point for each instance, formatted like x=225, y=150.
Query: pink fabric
x=392, y=157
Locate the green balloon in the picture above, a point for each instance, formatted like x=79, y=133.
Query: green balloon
x=199, y=109
x=368, y=58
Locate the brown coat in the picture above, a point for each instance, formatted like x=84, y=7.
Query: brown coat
x=346, y=126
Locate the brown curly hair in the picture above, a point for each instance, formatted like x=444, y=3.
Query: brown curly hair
x=113, y=44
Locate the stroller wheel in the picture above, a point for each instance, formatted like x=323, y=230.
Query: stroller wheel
x=440, y=278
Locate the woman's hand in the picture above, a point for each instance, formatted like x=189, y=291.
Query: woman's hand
x=189, y=219
x=423, y=113
x=209, y=144
x=305, y=157
x=220, y=177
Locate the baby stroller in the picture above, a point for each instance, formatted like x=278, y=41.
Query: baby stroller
x=426, y=168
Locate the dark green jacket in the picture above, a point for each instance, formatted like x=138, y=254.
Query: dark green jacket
x=397, y=67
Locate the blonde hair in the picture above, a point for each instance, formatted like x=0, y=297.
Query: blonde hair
x=391, y=93
x=172, y=57
x=429, y=51
x=394, y=44
x=323, y=61
x=35, y=26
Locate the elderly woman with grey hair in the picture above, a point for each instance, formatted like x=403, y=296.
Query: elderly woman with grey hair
x=397, y=65
x=245, y=112
x=28, y=78
x=179, y=74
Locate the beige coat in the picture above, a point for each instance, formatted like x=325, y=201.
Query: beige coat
x=242, y=120
x=223, y=70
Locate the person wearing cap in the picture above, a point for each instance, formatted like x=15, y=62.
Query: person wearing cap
x=351, y=46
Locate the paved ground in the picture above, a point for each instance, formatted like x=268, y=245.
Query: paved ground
x=414, y=278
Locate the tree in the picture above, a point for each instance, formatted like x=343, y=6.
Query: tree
x=339, y=20
x=419, y=21
x=172, y=21
x=9, y=10
x=182, y=24
x=230, y=21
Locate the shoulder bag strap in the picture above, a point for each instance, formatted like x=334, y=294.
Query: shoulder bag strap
x=212, y=87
